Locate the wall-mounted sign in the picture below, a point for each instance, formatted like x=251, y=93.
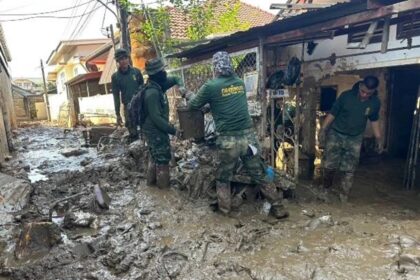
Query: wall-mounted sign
x=251, y=83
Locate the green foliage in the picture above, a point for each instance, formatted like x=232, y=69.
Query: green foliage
x=156, y=26
x=204, y=21
x=229, y=20
x=201, y=18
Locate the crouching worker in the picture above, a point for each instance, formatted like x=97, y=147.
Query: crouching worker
x=236, y=137
x=156, y=126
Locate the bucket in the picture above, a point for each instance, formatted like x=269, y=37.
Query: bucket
x=191, y=122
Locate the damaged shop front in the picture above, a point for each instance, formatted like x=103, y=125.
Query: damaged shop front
x=336, y=46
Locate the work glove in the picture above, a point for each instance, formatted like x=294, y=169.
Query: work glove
x=379, y=146
x=119, y=120
x=322, y=138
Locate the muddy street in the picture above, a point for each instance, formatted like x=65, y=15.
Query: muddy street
x=146, y=233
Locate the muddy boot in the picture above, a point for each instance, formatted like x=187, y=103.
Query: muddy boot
x=224, y=197
x=346, y=182
x=238, y=199
x=162, y=176
x=328, y=178
x=151, y=173
x=273, y=196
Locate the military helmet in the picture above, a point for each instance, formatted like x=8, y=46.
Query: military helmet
x=120, y=53
x=154, y=66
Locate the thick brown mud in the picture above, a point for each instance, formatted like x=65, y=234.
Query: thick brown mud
x=149, y=233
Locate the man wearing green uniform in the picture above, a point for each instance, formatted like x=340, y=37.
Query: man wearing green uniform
x=156, y=126
x=125, y=83
x=343, y=131
x=236, y=136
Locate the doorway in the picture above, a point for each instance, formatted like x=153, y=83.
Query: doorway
x=404, y=87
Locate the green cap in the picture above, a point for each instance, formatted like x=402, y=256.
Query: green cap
x=120, y=53
x=154, y=66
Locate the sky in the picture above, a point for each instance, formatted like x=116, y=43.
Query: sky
x=34, y=39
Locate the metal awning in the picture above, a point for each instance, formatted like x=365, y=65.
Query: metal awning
x=109, y=69
x=84, y=78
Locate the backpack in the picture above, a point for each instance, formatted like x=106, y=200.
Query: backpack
x=136, y=112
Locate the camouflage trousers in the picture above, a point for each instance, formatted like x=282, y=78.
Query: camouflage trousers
x=132, y=128
x=233, y=147
x=342, y=152
x=159, y=147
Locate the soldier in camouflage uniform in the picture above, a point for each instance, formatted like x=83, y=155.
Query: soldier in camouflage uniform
x=236, y=136
x=156, y=126
x=343, y=131
x=125, y=83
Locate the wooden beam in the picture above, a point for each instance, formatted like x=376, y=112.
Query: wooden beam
x=366, y=39
x=365, y=16
x=385, y=35
x=369, y=34
x=298, y=6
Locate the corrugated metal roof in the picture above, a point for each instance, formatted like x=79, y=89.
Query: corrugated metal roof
x=84, y=77
x=23, y=92
x=307, y=19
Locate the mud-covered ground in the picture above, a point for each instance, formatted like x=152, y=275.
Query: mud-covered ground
x=149, y=233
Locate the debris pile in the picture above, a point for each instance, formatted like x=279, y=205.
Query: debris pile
x=195, y=168
x=196, y=165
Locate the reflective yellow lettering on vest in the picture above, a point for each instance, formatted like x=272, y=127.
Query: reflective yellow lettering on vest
x=231, y=90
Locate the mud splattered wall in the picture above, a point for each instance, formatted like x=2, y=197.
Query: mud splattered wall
x=7, y=118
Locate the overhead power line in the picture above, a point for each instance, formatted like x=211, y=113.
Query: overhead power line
x=54, y=17
x=85, y=22
x=48, y=12
x=69, y=23
x=108, y=8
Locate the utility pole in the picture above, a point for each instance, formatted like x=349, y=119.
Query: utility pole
x=47, y=103
x=125, y=34
x=110, y=29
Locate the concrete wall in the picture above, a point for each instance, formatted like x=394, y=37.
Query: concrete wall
x=57, y=104
x=8, y=118
x=98, y=109
x=41, y=111
x=332, y=55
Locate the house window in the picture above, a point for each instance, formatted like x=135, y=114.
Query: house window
x=409, y=26
x=62, y=80
x=358, y=31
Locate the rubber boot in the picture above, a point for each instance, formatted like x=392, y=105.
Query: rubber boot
x=328, y=178
x=345, y=185
x=224, y=198
x=275, y=198
x=162, y=176
x=151, y=173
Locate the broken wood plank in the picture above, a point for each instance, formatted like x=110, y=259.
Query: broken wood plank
x=385, y=35
x=368, y=35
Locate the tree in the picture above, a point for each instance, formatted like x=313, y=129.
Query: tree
x=204, y=20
